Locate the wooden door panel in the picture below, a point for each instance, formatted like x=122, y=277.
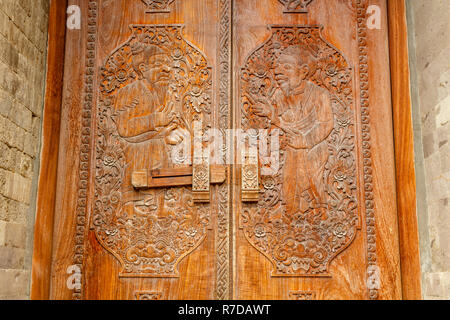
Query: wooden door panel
x=314, y=219
x=312, y=75
x=151, y=69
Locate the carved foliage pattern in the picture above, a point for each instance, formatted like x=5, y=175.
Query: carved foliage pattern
x=303, y=243
x=151, y=235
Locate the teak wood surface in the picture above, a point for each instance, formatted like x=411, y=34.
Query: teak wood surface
x=116, y=120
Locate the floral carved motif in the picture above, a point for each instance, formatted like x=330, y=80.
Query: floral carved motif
x=302, y=87
x=296, y=6
x=153, y=88
x=157, y=6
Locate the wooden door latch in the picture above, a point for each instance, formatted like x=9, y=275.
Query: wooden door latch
x=200, y=177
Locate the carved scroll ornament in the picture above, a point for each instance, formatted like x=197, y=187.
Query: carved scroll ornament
x=153, y=88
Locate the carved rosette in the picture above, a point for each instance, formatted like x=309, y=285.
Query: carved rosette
x=296, y=6
x=157, y=6
x=304, y=242
x=149, y=232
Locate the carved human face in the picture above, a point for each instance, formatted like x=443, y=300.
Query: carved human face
x=290, y=72
x=157, y=70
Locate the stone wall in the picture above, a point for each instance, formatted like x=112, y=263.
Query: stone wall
x=23, y=43
x=429, y=35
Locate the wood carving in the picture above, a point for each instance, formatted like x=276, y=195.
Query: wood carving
x=147, y=295
x=361, y=9
x=302, y=295
x=223, y=242
x=86, y=144
x=250, y=179
x=157, y=6
x=298, y=84
x=153, y=88
x=296, y=6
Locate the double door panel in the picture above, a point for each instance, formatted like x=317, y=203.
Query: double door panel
x=292, y=195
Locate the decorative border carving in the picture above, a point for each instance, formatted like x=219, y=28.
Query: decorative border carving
x=223, y=243
x=372, y=268
x=86, y=142
x=296, y=6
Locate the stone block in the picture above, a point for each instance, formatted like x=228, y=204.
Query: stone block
x=14, y=283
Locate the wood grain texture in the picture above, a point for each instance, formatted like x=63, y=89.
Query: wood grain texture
x=47, y=193
x=404, y=151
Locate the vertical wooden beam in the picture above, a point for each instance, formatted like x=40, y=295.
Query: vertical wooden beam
x=43, y=234
x=404, y=151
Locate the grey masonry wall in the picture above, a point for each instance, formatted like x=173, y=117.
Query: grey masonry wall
x=429, y=37
x=23, y=43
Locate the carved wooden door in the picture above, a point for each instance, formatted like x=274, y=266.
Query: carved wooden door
x=219, y=149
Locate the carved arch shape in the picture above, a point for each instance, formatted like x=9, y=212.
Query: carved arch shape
x=304, y=242
x=148, y=232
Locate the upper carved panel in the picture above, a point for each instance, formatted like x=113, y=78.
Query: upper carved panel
x=300, y=87
x=157, y=6
x=153, y=87
x=296, y=6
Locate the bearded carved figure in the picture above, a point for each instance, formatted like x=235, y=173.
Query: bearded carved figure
x=157, y=6
x=301, y=86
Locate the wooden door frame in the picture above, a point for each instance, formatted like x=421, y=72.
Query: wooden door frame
x=403, y=138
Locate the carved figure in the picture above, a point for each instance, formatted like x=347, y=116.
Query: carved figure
x=306, y=215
